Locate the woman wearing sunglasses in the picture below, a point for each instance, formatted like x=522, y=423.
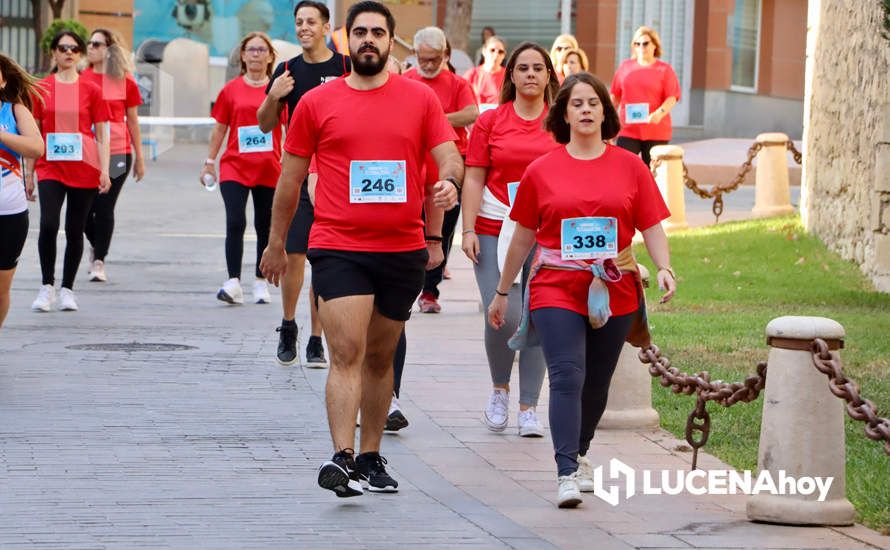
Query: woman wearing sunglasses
x=73, y=119
x=488, y=78
x=250, y=165
x=110, y=69
x=645, y=89
x=562, y=44
x=19, y=137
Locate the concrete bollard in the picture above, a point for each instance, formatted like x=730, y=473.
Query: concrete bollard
x=772, y=195
x=802, y=430
x=669, y=177
x=630, y=395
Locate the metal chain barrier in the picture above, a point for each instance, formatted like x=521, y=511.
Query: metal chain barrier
x=716, y=192
x=828, y=363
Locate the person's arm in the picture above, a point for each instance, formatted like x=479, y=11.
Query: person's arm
x=471, y=202
x=269, y=113
x=103, y=138
x=136, y=138
x=464, y=117
x=442, y=196
x=287, y=194
x=657, y=245
x=28, y=141
x=216, y=138
x=663, y=110
x=520, y=246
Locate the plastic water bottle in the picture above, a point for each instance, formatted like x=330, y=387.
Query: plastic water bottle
x=209, y=182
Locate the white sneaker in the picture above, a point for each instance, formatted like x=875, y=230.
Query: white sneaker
x=97, y=271
x=529, y=426
x=495, y=414
x=261, y=292
x=231, y=292
x=584, y=475
x=66, y=300
x=569, y=494
x=46, y=297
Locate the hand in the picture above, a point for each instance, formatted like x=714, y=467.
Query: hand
x=667, y=283
x=207, y=169
x=273, y=265
x=437, y=256
x=139, y=168
x=655, y=117
x=282, y=85
x=29, y=188
x=470, y=246
x=445, y=194
x=496, y=311
x=104, y=183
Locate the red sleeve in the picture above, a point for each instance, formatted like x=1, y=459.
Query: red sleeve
x=478, y=152
x=436, y=129
x=302, y=134
x=465, y=96
x=133, y=97
x=222, y=108
x=648, y=205
x=98, y=106
x=671, y=85
x=525, y=209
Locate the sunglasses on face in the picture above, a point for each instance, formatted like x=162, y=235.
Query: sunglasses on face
x=642, y=44
x=561, y=48
x=96, y=44
x=65, y=48
x=496, y=50
x=257, y=50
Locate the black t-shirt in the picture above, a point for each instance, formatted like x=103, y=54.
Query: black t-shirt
x=309, y=75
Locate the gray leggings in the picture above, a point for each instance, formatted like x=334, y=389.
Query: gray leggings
x=500, y=357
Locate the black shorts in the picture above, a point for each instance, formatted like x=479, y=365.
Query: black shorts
x=298, y=233
x=13, y=232
x=394, y=278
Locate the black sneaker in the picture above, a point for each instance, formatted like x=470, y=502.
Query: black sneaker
x=339, y=475
x=287, y=344
x=315, y=353
x=395, y=420
x=372, y=473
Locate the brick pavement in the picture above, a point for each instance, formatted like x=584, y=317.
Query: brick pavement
x=217, y=446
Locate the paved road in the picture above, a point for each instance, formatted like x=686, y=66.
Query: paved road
x=216, y=446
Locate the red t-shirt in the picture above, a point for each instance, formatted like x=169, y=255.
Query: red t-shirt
x=650, y=84
x=399, y=121
x=455, y=94
x=119, y=94
x=236, y=107
x=505, y=144
x=559, y=186
x=486, y=86
x=70, y=108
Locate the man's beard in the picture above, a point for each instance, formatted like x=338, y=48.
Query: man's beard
x=430, y=75
x=368, y=68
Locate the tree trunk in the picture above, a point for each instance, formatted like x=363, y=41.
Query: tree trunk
x=41, y=62
x=458, y=15
x=56, y=6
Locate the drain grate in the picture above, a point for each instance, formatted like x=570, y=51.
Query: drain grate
x=131, y=347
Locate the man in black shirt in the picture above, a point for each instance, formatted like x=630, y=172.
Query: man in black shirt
x=290, y=81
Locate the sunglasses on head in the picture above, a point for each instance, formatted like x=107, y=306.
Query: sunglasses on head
x=65, y=48
x=643, y=44
x=96, y=44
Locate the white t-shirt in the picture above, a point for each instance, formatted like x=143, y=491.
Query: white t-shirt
x=12, y=187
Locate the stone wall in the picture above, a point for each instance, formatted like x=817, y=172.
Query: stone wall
x=846, y=195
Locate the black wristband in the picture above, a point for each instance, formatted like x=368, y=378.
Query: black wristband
x=433, y=238
x=499, y=293
x=456, y=183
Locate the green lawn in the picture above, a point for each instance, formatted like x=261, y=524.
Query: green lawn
x=732, y=280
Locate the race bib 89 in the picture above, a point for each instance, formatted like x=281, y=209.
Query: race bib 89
x=636, y=113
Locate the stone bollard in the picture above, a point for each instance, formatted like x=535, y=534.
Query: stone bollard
x=630, y=394
x=772, y=195
x=802, y=430
x=669, y=177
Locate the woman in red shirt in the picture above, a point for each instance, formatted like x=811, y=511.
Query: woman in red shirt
x=74, y=167
x=110, y=69
x=581, y=204
x=645, y=89
x=488, y=79
x=502, y=144
x=250, y=165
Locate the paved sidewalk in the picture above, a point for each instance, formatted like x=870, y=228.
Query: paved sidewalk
x=216, y=446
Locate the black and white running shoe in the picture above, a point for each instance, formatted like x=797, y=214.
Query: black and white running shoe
x=339, y=474
x=287, y=345
x=372, y=473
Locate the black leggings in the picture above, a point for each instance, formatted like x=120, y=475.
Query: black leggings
x=639, y=147
x=580, y=363
x=235, y=198
x=52, y=194
x=100, y=221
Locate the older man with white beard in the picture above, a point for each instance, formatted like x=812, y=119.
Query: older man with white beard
x=459, y=104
